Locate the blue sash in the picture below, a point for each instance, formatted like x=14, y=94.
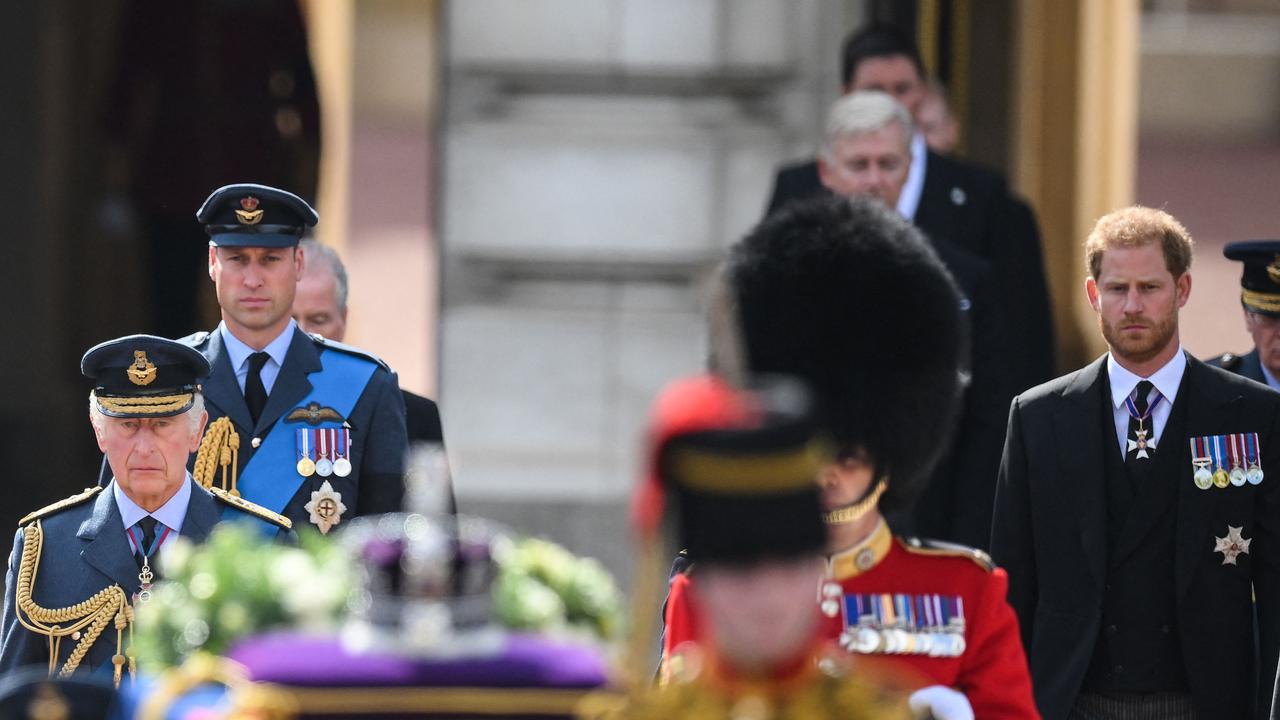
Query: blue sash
x=271, y=478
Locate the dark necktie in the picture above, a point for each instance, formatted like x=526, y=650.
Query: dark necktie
x=255, y=393
x=1142, y=433
x=148, y=527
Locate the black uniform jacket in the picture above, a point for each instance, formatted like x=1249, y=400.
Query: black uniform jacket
x=1050, y=534
x=973, y=208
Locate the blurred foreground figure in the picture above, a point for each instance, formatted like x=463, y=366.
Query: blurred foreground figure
x=806, y=283
x=80, y=565
x=736, y=469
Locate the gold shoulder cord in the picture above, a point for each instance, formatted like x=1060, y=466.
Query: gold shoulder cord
x=219, y=448
x=107, y=605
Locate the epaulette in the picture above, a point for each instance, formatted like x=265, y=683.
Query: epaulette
x=63, y=504
x=922, y=546
x=252, y=508
x=1227, y=361
x=350, y=349
x=194, y=339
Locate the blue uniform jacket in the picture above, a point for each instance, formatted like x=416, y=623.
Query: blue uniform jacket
x=378, y=439
x=85, y=550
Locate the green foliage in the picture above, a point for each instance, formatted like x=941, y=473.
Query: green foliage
x=238, y=584
x=543, y=587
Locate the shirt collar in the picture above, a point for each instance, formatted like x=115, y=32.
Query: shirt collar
x=238, y=352
x=909, y=199
x=1166, y=379
x=171, y=514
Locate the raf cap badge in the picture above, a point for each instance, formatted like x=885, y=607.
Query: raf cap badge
x=1223, y=461
x=249, y=214
x=1233, y=545
x=326, y=507
x=1273, y=270
x=143, y=371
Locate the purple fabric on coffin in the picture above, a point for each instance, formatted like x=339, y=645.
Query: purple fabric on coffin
x=311, y=661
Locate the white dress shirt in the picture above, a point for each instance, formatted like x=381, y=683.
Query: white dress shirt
x=1166, y=380
x=238, y=353
x=909, y=199
x=171, y=514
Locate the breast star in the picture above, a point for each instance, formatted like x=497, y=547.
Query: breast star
x=1233, y=545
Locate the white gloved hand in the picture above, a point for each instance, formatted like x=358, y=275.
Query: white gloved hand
x=940, y=703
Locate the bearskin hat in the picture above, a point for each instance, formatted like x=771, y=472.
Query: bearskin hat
x=850, y=298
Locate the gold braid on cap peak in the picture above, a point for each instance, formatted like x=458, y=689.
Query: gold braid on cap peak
x=761, y=473
x=1267, y=302
x=144, y=405
x=220, y=448
x=850, y=513
x=107, y=605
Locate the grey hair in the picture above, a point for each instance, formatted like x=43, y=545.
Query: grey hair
x=313, y=249
x=193, y=413
x=863, y=112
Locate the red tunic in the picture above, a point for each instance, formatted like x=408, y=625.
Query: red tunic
x=992, y=668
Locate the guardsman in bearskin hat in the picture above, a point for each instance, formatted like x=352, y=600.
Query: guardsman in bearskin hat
x=80, y=565
x=848, y=297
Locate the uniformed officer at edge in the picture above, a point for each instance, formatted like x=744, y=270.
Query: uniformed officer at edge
x=319, y=428
x=1260, y=298
x=80, y=565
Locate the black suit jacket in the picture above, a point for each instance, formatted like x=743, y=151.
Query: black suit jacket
x=973, y=208
x=422, y=420
x=1050, y=534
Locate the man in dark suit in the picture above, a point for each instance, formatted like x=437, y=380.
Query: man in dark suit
x=866, y=152
x=320, y=306
x=318, y=426
x=948, y=198
x=1133, y=512
x=97, y=549
x=1260, y=297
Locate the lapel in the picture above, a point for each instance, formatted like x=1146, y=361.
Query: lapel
x=1212, y=409
x=1080, y=451
x=203, y=512
x=107, y=550
x=291, y=384
x=221, y=389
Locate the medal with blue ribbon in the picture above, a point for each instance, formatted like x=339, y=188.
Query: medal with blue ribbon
x=1141, y=442
x=1220, y=477
x=1254, y=474
x=145, y=576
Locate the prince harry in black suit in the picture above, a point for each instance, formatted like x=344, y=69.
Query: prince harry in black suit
x=1134, y=548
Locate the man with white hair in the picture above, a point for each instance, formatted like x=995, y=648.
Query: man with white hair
x=866, y=152
x=95, y=553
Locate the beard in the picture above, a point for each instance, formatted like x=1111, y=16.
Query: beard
x=1160, y=331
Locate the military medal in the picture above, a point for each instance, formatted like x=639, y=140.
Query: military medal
x=326, y=508
x=145, y=576
x=306, y=466
x=324, y=466
x=1140, y=442
x=1235, y=455
x=342, y=465
x=1254, y=474
x=1220, y=477
x=1233, y=545
x=1201, y=461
